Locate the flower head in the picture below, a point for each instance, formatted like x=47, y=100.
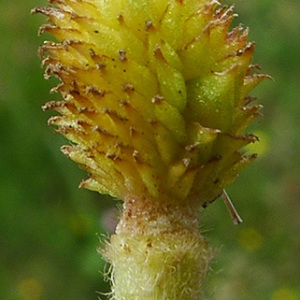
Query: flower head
x=154, y=94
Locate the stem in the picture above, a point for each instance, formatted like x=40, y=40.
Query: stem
x=157, y=252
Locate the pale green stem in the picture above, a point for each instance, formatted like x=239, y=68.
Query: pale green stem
x=157, y=252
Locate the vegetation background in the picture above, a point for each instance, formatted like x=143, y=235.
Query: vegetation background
x=49, y=229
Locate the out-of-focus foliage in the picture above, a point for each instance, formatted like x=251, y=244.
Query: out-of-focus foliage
x=49, y=229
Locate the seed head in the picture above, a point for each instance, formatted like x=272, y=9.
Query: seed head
x=154, y=94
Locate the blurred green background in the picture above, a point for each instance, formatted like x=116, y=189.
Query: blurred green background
x=50, y=229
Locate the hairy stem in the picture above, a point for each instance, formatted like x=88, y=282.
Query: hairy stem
x=157, y=252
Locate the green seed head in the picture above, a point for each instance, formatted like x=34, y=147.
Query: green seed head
x=154, y=95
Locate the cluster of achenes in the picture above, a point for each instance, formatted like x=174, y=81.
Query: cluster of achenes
x=155, y=104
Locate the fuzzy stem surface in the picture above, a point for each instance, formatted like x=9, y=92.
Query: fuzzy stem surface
x=157, y=252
